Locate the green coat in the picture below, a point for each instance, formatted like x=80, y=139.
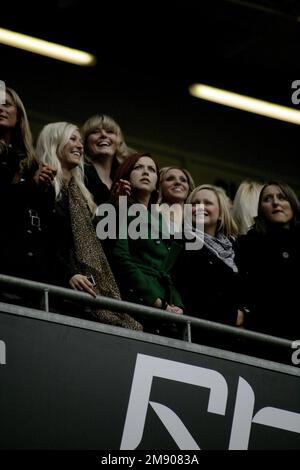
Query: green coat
x=143, y=266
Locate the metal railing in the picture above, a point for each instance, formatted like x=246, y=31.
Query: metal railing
x=17, y=285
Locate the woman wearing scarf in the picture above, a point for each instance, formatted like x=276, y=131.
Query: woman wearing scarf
x=77, y=257
x=207, y=277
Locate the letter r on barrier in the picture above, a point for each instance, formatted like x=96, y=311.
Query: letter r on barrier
x=148, y=367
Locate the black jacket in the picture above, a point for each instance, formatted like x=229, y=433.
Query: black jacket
x=96, y=187
x=269, y=265
x=62, y=265
x=209, y=287
x=24, y=207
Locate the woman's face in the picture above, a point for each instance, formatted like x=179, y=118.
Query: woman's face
x=174, y=187
x=72, y=152
x=8, y=113
x=275, y=206
x=102, y=142
x=144, y=176
x=211, y=209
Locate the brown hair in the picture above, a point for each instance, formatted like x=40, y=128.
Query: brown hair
x=261, y=224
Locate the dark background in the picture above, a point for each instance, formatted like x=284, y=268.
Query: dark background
x=148, y=53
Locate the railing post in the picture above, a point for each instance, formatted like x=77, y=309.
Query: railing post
x=187, y=334
x=45, y=300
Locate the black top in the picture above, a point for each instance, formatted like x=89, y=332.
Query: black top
x=95, y=185
x=208, y=286
x=24, y=207
x=209, y=290
x=61, y=251
x=269, y=264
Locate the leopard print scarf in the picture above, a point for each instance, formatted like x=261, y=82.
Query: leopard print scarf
x=91, y=259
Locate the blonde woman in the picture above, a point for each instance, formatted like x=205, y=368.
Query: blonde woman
x=105, y=149
x=207, y=278
x=175, y=185
x=245, y=205
x=77, y=256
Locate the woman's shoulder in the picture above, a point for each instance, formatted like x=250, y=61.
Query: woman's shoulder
x=296, y=230
x=252, y=236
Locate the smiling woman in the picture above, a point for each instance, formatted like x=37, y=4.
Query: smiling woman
x=60, y=146
x=76, y=257
x=212, y=293
x=175, y=186
x=105, y=149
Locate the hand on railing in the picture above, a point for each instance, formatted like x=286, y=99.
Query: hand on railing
x=165, y=306
x=81, y=283
x=174, y=309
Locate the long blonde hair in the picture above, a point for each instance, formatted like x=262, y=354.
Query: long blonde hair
x=245, y=205
x=49, y=147
x=226, y=224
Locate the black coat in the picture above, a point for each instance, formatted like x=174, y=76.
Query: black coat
x=269, y=265
x=25, y=207
x=62, y=265
x=95, y=185
x=208, y=286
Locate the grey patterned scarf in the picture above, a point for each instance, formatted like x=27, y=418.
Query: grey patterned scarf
x=221, y=246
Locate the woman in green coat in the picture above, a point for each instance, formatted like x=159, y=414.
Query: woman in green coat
x=141, y=258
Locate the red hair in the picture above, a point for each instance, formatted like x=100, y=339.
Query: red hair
x=125, y=169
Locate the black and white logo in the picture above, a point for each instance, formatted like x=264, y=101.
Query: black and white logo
x=149, y=367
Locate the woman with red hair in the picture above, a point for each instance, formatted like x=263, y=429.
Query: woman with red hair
x=142, y=261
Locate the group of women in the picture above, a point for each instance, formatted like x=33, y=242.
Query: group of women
x=243, y=274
